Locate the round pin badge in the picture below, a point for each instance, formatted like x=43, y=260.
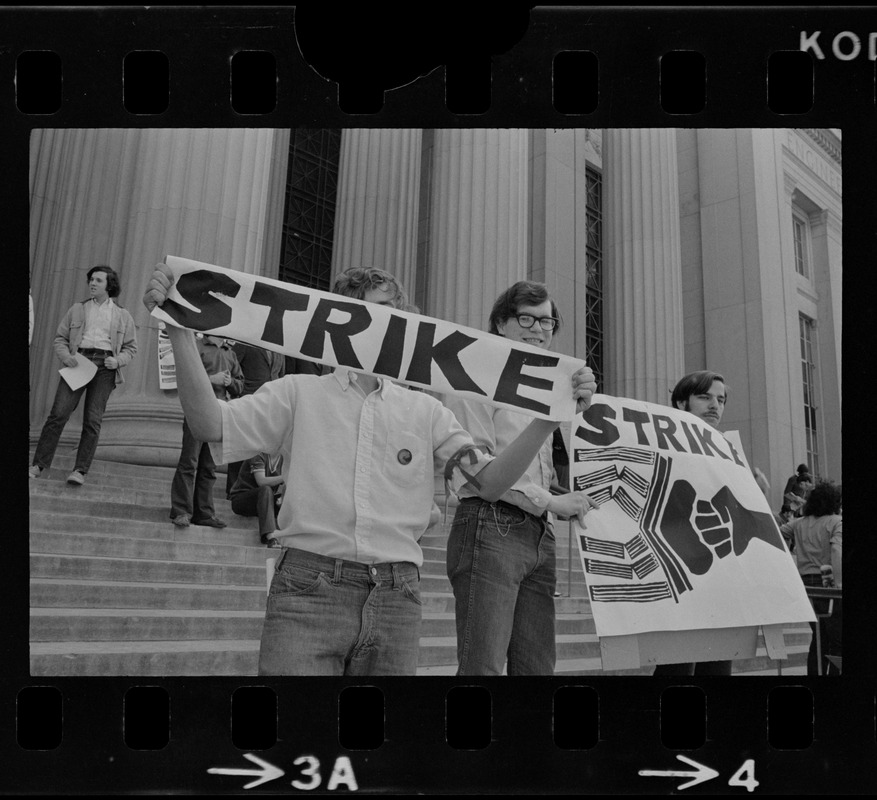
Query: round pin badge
x=404, y=456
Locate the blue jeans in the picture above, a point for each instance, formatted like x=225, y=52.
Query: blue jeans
x=192, y=484
x=326, y=616
x=501, y=563
x=97, y=392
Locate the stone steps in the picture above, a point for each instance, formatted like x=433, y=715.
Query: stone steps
x=117, y=589
x=149, y=658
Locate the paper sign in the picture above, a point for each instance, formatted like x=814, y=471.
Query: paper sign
x=167, y=373
x=79, y=375
x=341, y=331
x=683, y=539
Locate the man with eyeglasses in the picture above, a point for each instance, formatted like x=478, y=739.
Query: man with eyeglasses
x=501, y=554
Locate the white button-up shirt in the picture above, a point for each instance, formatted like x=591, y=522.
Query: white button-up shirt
x=98, y=324
x=493, y=429
x=359, y=470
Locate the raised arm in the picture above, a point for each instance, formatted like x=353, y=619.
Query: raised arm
x=500, y=474
x=199, y=403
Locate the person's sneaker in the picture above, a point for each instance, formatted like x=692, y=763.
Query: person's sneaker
x=213, y=522
x=76, y=477
x=34, y=471
x=181, y=520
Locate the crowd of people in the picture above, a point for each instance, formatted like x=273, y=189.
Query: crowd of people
x=338, y=467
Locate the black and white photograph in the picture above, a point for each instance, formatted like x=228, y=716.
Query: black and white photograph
x=467, y=426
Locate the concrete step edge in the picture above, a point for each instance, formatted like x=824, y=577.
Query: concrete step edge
x=83, y=582
x=186, y=613
x=156, y=646
x=147, y=561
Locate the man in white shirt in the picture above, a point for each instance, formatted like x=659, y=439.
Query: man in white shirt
x=103, y=332
x=359, y=455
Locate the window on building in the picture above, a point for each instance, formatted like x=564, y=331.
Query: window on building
x=801, y=234
x=594, y=274
x=808, y=377
x=309, y=219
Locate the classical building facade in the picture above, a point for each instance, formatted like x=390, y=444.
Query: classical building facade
x=668, y=250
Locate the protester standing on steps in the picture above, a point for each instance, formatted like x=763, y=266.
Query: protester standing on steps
x=192, y=485
x=103, y=332
x=704, y=394
x=359, y=459
x=501, y=554
x=258, y=366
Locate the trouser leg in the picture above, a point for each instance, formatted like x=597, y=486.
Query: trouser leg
x=63, y=406
x=97, y=394
x=183, y=483
x=205, y=478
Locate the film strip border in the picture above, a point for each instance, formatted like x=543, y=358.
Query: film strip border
x=588, y=67
x=224, y=738
x=583, y=66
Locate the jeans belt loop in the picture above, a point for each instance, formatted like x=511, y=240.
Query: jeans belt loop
x=336, y=577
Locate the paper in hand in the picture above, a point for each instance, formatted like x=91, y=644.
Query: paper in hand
x=79, y=375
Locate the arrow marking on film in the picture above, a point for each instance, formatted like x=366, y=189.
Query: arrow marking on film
x=267, y=772
x=702, y=773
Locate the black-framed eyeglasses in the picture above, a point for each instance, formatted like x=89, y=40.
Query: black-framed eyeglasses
x=528, y=321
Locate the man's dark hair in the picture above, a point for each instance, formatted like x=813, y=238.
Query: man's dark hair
x=824, y=498
x=802, y=469
x=113, y=285
x=356, y=281
x=695, y=383
x=522, y=293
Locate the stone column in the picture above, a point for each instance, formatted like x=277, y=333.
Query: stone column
x=478, y=221
x=376, y=207
x=127, y=198
x=644, y=348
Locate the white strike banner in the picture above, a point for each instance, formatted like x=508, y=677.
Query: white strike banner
x=683, y=539
x=366, y=337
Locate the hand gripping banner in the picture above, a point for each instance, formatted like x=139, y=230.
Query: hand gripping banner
x=344, y=332
x=683, y=539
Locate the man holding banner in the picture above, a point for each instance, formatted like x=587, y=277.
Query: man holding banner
x=704, y=394
x=501, y=555
x=359, y=450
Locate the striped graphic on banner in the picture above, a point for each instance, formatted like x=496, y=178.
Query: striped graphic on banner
x=642, y=593
x=605, y=475
x=636, y=481
x=636, y=546
x=627, y=504
x=603, y=547
x=615, y=454
x=645, y=565
x=599, y=496
x=608, y=568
